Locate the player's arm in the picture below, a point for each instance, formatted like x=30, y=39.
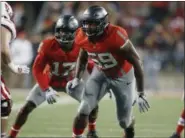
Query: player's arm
x=43, y=78
x=131, y=55
x=5, y=40
x=38, y=68
x=80, y=68
x=81, y=63
x=5, y=53
x=127, y=50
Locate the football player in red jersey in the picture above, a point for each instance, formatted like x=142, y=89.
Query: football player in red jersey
x=8, y=32
x=117, y=66
x=52, y=70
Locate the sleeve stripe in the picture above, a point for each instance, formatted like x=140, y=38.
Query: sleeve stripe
x=125, y=44
x=121, y=35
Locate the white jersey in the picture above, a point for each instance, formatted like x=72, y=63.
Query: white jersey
x=10, y=26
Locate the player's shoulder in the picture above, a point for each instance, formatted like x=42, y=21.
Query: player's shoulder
x=79, y=32
x=117, y=30
x=8, y=24
x=47, y=44
x=49, y=41
x=118, y=36
x=80, y=37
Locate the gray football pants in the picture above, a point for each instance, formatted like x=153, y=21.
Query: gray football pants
x=38, y=97
x=123, y=89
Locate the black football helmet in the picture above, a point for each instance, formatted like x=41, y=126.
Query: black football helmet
x=65, y=29
x=94, y=21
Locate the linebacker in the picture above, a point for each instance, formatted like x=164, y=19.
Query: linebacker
x=118, y=65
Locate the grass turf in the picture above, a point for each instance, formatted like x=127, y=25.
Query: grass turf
x=56, y=120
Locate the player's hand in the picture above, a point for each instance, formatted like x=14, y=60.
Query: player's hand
x=51, y=95
x=19, y=69
x=22, y=69
x=142, y=102
x=73, y=83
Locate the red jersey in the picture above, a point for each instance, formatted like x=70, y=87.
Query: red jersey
x=53, y=66
x=105, y=51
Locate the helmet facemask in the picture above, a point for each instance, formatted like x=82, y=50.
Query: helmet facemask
x=65, y=37
x=65, y=29
x=94, y=28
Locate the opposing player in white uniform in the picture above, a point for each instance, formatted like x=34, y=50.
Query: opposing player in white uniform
x=8, y=33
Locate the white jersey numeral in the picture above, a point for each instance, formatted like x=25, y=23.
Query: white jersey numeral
x=103, y=60
x=67, y=67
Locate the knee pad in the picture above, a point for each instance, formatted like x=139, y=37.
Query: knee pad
x=6, y=106
x=84, y=108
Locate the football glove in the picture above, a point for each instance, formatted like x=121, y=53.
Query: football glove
x=142, y=102
x=51, y=95
x=19, y=69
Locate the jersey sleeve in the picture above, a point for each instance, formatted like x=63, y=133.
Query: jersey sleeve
x=9, y=25
x=120, y=38
x=39, y=66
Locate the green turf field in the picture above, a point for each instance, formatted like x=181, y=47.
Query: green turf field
x=56, y=120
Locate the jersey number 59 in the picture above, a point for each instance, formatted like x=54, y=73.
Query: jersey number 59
x=103, y=60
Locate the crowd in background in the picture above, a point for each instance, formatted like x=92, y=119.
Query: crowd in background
x=155, y=28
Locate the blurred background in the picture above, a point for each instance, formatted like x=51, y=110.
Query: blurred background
x=155, y=28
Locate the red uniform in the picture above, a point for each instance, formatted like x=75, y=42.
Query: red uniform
x=56, y=64
x=104, y=52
